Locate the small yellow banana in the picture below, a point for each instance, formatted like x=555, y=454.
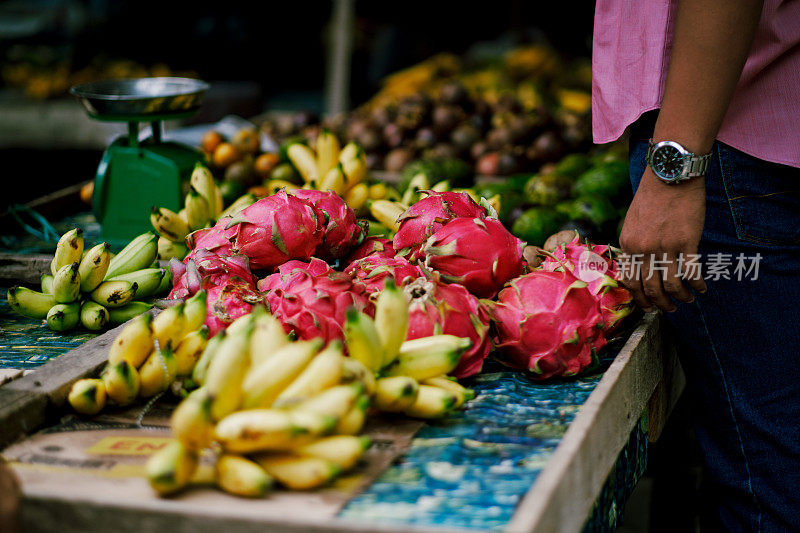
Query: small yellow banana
x=194, y=312
x=168, y=249
x=31, y=304
x=94, y=316
x=391, y=320
x=122, y=382
x=138, y=254
x=114, y=293
x=134, y=343
x=169, y=224
x=352, y=422
x=268, y=336
x=171, y=468
x=396, y=393
x=378, y=191
x=93, y=267
x=441, y=186
x=428, y=357
x=47, y=284
x=240, y=203
x=226, y=372
x=242, y=477
x=168, y=326
x=255, y=430
x=304, y=160
x=324, y=371
x=353, y=370
x=451, y=384
x=263, y=383
x=363, y=342
x=327, y=151
x=87, y=396
x=190, y=349
x=342, y=450
x=432, y=402
x=298, y=473
x=158, y=372
x=355, y=169
x=197, y=210
x=68, y=250
x=148, y=280
x=67, y=284
x=412, y=193
x=191, y=421
x=334, y=180
x=203, y=182
x=350, y=151
x=201, y=367
x=335, y=402
x=64, y=317
x=356, y=197
x=387, y=213
x=120, y=315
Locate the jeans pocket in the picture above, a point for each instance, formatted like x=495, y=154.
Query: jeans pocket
x=764, y=197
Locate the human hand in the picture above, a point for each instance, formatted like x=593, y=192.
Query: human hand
x=663, y=223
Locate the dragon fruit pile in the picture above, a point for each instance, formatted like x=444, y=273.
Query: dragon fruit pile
x=450, y=255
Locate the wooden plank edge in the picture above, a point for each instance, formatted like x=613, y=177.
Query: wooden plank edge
x=565, y=491
x=28, y=402
x=668, y=391
x=15, y=268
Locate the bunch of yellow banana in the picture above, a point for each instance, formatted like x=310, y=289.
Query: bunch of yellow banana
x=202, y=206
x=91, y=287
x=329, y=168
x=278, y=409
x=147, y=356
x=403, y=376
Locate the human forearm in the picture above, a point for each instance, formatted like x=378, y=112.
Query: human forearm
x=710, y=45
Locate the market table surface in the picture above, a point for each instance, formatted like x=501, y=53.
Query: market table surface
x=523, y=456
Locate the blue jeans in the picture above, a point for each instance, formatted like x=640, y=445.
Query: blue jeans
x=741, y=341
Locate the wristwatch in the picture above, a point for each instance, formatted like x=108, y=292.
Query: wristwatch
x=672, y=163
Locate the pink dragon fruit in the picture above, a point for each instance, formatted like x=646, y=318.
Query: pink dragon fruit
x=228, y=300
x=342, y=231
x=312, y=301
x=188, y=276
x=594, y=265
x=277, y=228
x=436, y=308
x=425, y=217
x=373, y=270
x=217, y=238
x=372, y=246
x=480, y=254
x=547, y=323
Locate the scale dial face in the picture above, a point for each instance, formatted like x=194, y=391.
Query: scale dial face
x=667, y=162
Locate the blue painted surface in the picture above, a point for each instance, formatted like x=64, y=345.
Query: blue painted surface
x=471, y=469
x=26, y=343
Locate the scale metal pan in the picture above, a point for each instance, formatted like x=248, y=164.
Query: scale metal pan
x=140, y=97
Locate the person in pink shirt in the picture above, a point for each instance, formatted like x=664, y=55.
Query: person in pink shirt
x=709, y=91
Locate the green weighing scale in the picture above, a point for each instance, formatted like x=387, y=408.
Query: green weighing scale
x=133, y=175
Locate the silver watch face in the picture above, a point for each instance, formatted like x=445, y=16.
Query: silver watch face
x=667, y=161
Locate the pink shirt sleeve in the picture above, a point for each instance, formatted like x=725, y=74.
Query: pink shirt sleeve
x=630, y=57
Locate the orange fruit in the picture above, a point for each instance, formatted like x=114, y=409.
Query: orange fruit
x=86, y=192
x=225, y=154
x=265, y=163
x=247, y=141
x=211, y=139
x=259, y=190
